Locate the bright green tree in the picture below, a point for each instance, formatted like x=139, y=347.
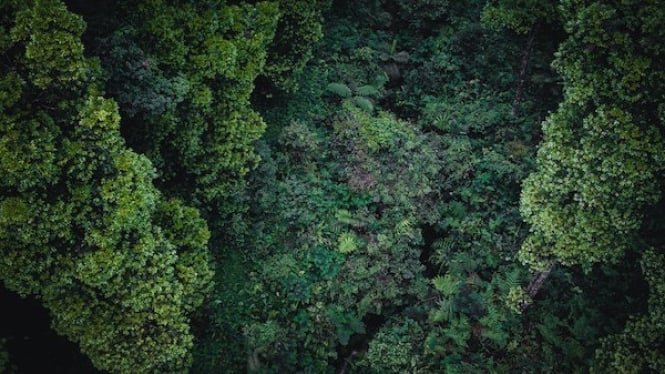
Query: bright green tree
x=602, y=152
x=82, y=228
x=601, y=163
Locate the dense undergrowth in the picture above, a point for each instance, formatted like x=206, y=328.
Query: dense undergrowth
x=338, y=186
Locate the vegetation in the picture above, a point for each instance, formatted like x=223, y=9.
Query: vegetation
x=81, y=225
x=388, y=186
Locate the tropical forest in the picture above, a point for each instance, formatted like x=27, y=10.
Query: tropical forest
x=332, y=186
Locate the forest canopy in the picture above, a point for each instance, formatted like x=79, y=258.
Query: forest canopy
x=332, y=186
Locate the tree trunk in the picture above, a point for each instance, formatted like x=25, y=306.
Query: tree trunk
x=526, y=56
x=536, y=283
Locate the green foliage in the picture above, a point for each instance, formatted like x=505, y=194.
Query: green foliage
x=54, y=58
x=447, y=285
x=517, y=298
x=638, y=348
x=367, y=91
x=138, y=85
x=585, y=201
x=600, y=165
x=226, y=312
x=519, y=15
x=401, y=217
x=298, y=31
x=183, y=75
x=346, y=324
x=602, y=149
x=423, y=14
x=468, y=200
x=363, y=103
x=347, y=243
x=81, y=225
x=339, y=89
x=360, y=257
x=396, y=348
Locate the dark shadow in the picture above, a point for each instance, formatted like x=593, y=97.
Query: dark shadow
x=32, y=345
x=429, y=236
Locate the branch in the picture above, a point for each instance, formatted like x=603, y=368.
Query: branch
x=526, y=56
x=347, y=361
x=536, y=283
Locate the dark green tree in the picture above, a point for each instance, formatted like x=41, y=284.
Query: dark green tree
x=183, y=74
x=298, y=30
x=520, y=15
x=639, y=347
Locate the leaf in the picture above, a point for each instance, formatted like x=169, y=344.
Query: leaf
x=347, y=243
x=447, y=285
x=367, y=90
x=363, y=103
x=339, y=89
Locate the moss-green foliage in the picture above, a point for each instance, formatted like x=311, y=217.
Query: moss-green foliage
x=221, y=346
x=459, y=54
x=363, y=103
x=183, y=74
x=409, y=214
x=601, y=162
x=425, y=14
x=471, y=209
x=457, y=80
x=345, y=67
x=339, y=89
x=81, y=225
x=460, y=89
x=585, y=200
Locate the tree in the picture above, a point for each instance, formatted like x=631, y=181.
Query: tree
x=300, y=20
x=183, y=74
x=81, y=225
x=524, y=17
x=601, y=163
x=639, y=348
x=519, y=15
x=602, y=150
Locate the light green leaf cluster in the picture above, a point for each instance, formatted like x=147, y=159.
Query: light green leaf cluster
x=396, y=348
x=585, y=200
